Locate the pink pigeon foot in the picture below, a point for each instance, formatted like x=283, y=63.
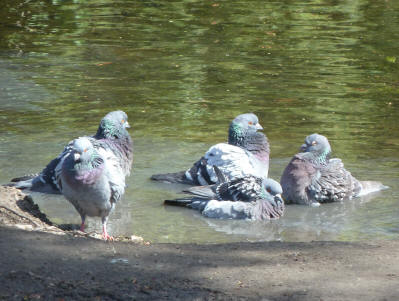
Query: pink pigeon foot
x=106, y=236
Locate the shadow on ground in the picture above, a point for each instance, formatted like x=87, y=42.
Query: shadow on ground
x=45, y=266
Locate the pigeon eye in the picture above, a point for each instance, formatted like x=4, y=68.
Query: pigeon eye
x=123, y=121
x=250, y=123
x=85, y=150
x=268, y=190
x=314, y=143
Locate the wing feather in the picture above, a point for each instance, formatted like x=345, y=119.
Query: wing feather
x=234, y=162
x=333, y=183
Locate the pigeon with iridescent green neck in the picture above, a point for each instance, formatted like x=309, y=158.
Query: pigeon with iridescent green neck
x=91, y=180
x=246, y=153
x=111, y=135
x=311, y=177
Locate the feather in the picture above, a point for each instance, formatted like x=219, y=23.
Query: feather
x=311, y=177
x=92, y=180
x=246, y=153
x=111, y=135
x=242, y=198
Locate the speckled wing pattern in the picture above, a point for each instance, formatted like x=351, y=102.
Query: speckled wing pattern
x=46, y=181
x=51, y=172
x=332, y=183
x=246, y=189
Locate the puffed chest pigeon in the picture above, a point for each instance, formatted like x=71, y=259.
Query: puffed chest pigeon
x=246, y=153
x=241, y=198
x=91, y=180
x=311, y=177
x=111, y=135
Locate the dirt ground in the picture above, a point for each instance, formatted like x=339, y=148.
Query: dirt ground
x=39, y=261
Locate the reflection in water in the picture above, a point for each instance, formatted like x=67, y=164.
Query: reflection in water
x=182, y=71
x=300, y=223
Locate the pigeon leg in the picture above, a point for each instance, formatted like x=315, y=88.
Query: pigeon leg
x=106, y=236
x=82, y=225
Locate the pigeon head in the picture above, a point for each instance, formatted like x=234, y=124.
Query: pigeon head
x=271, y=204
x=84, y=165
x=113, y=125
x=242, y=126
x=83, y=150
x=272, y=192
x=318, y=145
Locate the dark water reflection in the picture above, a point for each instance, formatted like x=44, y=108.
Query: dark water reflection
x=182, y=70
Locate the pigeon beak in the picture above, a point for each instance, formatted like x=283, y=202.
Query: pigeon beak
x=127, y=125
x=76, y=157
x=278, y=199
x=303, y=147
x=258, y=127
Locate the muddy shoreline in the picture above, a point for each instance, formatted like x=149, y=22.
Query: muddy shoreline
x=39, y=261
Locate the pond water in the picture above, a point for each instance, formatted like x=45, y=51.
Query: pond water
x=182, y=70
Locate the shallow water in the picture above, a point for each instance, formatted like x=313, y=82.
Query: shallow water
x=182, y=70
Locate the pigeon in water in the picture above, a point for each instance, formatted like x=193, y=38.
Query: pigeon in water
x=91, y=180
x=112, y=134
x=246, y=153
x=312, y=177
x=241, y=198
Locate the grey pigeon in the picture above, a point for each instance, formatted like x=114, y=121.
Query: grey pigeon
x=112, y=134
x=246, y=153
x=241, y=198
x=91, y=179
x=311, y=177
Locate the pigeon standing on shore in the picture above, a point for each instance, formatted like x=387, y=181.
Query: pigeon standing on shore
x=112, y=134
x=246, y=153
x=91, y=180
x=311, y=177
x=241, y=198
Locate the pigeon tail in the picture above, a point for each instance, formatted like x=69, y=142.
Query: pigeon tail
x=371, y=186
x=24, y=178
x=178, y=202
x=22, y=184
x=202, y=191
x=174, y=177
x=193, y=203
x=36, y=185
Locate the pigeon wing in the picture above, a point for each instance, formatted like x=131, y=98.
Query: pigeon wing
x=333, y=183
x=245, y=189
x=114, y=173
x=233, y=162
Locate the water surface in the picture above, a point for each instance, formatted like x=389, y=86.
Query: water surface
x=182, y=70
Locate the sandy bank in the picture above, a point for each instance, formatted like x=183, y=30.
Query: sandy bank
x=42, y=266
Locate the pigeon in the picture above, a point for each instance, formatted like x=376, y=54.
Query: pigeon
x=112, y=134
x=311, y=177
x=246, y=153
x=91, y=180
x=249, y=198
